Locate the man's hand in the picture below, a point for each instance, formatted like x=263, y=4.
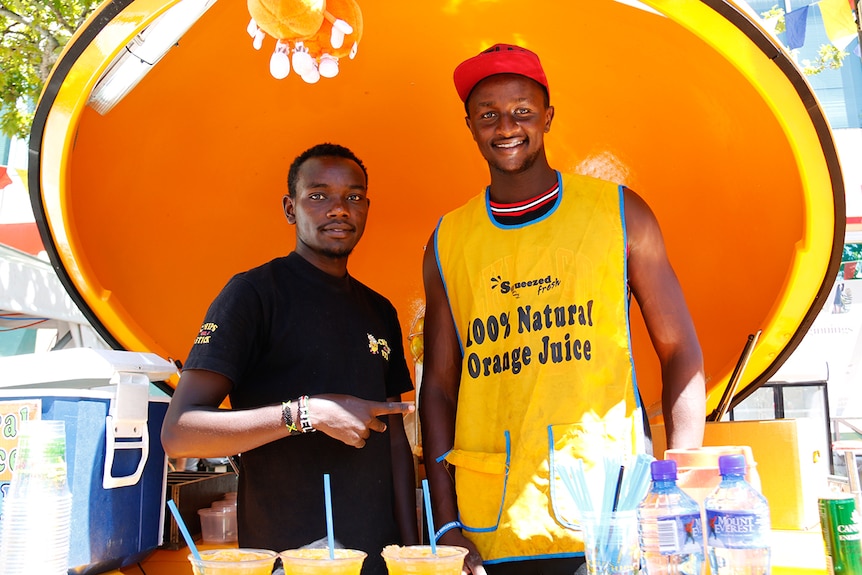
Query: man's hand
x=473, y=561
x=350, y=419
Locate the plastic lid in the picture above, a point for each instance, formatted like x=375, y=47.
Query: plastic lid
x=663, y=470
x=731, y=464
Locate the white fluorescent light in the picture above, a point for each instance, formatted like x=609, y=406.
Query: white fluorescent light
x=144, y=51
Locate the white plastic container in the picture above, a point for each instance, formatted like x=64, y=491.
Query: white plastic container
x=218, y=525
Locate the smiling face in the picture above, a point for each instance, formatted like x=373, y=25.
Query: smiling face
x=508, y=116
x=329, y=209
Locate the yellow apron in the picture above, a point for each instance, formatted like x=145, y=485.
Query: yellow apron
x=547, y=375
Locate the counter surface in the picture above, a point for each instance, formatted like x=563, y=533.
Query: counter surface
x=793, y=553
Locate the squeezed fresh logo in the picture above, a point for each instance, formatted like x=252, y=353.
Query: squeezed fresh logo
x=542, y=285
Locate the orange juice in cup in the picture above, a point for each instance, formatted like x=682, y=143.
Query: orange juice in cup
x=234, y=562
x=418, y=560
x=317, y=561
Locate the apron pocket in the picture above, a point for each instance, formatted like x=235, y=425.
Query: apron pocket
x=480, y=484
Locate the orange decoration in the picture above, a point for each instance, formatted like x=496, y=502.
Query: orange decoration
x=311, y=34
x=286, y=19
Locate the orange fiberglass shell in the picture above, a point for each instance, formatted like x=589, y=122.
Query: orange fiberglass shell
x=148, y=209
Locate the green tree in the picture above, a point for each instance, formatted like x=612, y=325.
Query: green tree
x=34, y=33
x=852, y=253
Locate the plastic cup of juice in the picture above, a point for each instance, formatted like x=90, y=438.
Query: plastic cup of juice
x=418, y=560
x=234, y=562
x=317, y=561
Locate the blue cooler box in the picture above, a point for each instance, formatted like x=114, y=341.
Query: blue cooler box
x=117, y=468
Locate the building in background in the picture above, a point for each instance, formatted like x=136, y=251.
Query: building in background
x=36, y=313
x=823, y=378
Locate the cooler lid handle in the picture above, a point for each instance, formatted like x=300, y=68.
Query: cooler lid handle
x=127, y=420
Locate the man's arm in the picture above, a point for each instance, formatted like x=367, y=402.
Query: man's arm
x=195, y=427
x=671, y=330
x=438, y=396
x=403, y=479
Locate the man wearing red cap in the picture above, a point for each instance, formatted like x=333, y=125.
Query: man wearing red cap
x=528, y=363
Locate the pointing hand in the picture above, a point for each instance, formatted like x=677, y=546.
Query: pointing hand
x=350, y=419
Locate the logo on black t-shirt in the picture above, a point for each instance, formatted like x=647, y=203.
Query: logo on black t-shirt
x=205, y=333
x=378, y=346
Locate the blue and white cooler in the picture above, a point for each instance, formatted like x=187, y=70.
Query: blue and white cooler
x=116, y=466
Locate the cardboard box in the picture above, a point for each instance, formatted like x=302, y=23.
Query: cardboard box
x=793, y=471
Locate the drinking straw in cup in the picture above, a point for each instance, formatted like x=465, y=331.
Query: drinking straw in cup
x=611, y=542
x=330, y=536
x=224, y=561
x=183, y=529
x=429, y=516
x=618, y=488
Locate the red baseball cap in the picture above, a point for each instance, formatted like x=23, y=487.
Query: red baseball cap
x=498, y=59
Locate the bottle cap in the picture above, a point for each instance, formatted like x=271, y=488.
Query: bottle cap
x=663, y=470
x=731, y=464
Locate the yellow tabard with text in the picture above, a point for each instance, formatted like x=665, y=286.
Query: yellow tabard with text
x=541, y=311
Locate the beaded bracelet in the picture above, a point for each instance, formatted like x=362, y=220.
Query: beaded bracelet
x=304, y=421
x=449, y=526
x=287, y=417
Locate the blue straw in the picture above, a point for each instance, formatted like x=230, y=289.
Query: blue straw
x=610, y=468
x=330, y=538
x=635, y=489
x=573, y=479
x=183, y=529
x=429, y=517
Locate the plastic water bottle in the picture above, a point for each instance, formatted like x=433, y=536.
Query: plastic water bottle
x=670, y=531
x=738, y=526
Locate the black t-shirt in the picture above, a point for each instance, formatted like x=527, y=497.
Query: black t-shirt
x=286, y=329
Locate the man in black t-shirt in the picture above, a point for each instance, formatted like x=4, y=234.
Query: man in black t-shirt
x=311, y=358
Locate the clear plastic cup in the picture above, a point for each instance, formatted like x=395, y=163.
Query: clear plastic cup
x=317, y=561
x=36, y=525
x=40, y=466
x=34, y=537
x=234, y=562
x=611, y=543
x=418, y=560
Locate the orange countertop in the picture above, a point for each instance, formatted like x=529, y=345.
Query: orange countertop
x=793, y=553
